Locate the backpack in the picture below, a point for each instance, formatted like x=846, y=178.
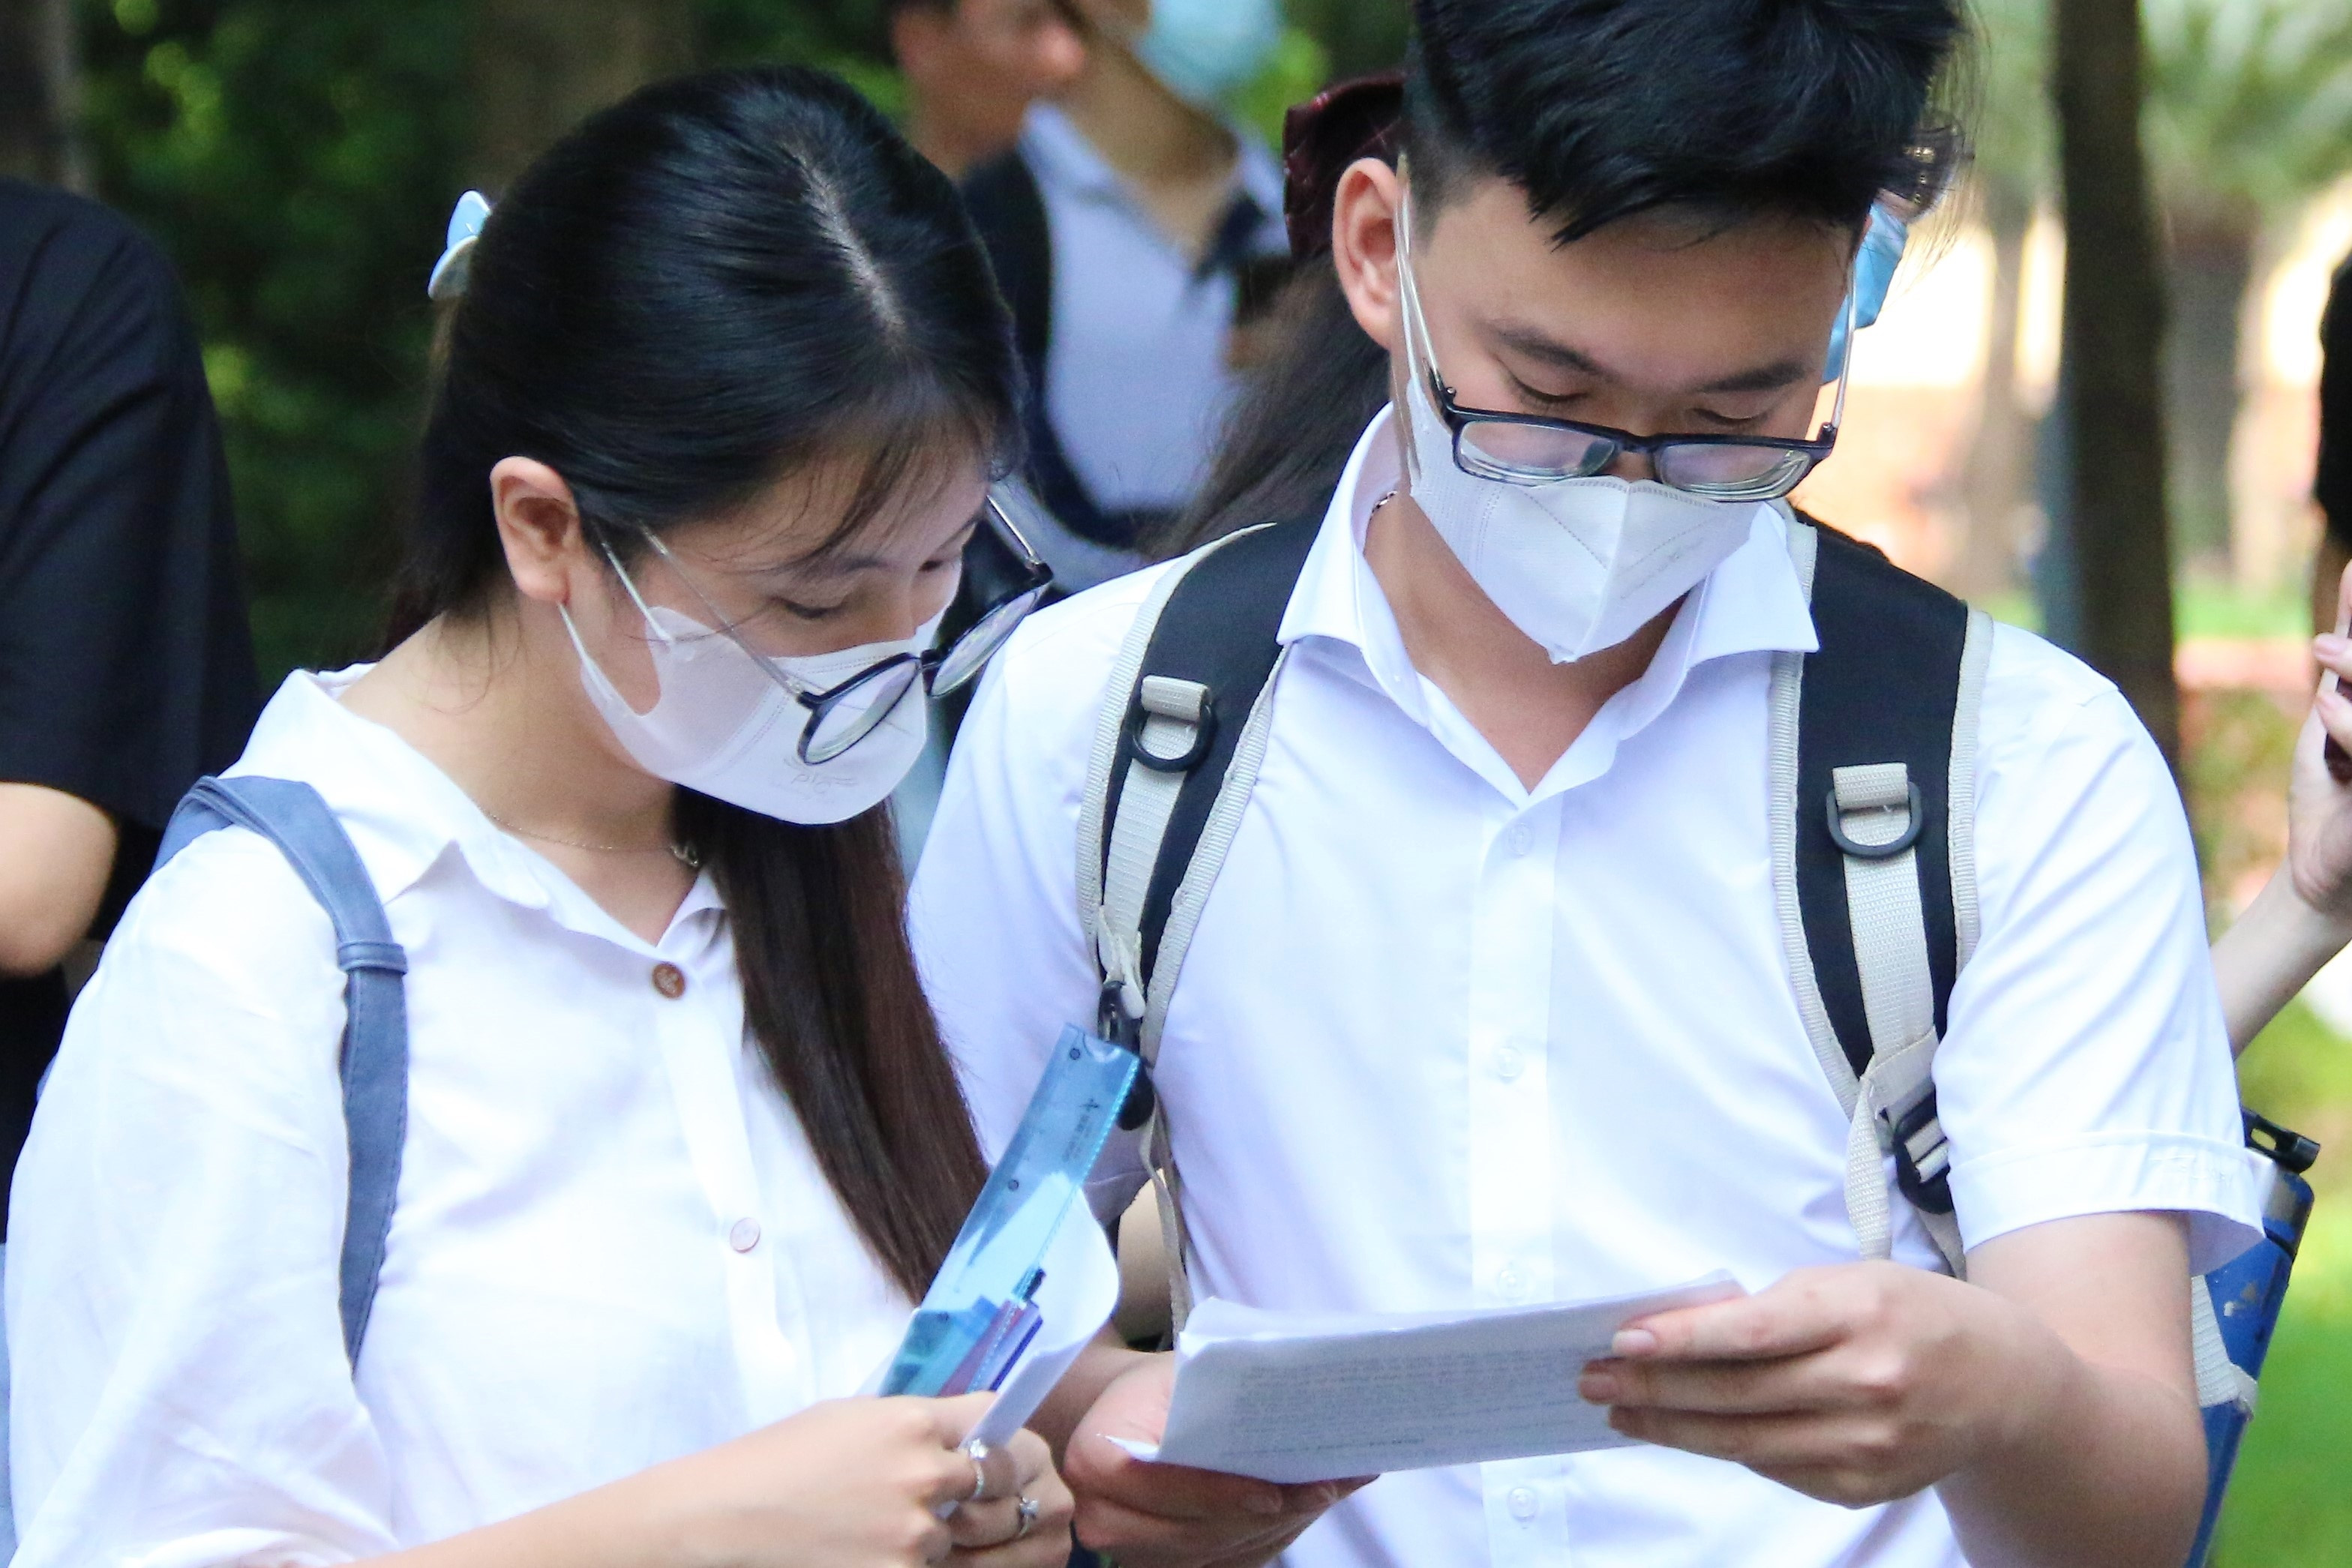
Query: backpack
x=1872, y=815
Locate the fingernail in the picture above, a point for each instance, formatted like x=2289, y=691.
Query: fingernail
x=2327, y=645
x=1599, y=1388
x=1262, y=1499
x=1634, y=1342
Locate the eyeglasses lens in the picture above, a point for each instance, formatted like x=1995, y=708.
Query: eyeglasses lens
x=1523, y=454
x=857, y=712
x=970, y=653
x=1730, y=471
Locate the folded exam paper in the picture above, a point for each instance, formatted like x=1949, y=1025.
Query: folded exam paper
x=1292, y=1398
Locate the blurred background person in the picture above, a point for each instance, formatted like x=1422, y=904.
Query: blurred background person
x=126, y=669
x=1130, y=227
x=973, y=66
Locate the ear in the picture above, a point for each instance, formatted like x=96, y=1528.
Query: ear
x=539, y=525
x=1364, y=249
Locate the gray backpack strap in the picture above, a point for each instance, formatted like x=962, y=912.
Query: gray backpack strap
x=1182, y=730
x=374, y=1062
x=1873, y=812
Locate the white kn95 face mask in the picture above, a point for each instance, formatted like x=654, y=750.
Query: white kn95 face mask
x=1578, y=565
x=726, y=728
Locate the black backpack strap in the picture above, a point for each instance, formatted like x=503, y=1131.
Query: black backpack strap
x=1009, y=212
x=1875, y=784
x=1177, y=749
x=1183, y=727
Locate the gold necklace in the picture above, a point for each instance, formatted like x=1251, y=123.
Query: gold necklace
x=685, y=855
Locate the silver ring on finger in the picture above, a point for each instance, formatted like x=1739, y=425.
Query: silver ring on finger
x=1024, y=1510
x=978, y=1453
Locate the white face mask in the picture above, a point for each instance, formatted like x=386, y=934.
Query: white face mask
x=723, y=725
x=1578, y=565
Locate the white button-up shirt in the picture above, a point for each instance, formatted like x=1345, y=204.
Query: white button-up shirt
x=1443, y=1041
x=613, y=1245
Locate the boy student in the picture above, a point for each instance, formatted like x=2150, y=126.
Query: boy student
x=1495, y=1000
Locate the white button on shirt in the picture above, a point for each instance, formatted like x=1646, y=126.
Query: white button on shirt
x=613, y=1245
x=1443, y=1041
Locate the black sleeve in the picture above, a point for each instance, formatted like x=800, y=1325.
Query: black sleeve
x=126, y=665
x=2333, y=489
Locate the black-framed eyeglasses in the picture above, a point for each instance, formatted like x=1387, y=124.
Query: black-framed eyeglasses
x=1526, y=449
x=843, y=715
x=1529, y=449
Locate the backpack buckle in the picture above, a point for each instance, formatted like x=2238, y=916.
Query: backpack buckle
x=1923, y=1159
x=1180, y=702
x=1125, y=1029
x=1860, y=850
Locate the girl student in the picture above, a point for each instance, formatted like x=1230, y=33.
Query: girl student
x=720, y=406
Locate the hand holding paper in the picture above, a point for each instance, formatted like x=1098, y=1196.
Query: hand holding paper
x=1293, y=1397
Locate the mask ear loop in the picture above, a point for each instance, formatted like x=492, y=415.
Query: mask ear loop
x=629, y=586
x=1417, y=346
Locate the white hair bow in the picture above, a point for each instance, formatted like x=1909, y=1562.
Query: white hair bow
x=448, y=279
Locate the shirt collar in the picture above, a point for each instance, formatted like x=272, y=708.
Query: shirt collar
x=1059, y=154
x=405, y=814
x=1751, y=603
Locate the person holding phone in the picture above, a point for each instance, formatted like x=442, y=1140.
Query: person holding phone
x=715, y=430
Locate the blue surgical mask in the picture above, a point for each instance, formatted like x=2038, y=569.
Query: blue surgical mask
x=1873, y=274
x=1205, y=51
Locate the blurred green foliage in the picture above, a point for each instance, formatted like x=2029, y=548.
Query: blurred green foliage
x=297, y=158
x=292, y=159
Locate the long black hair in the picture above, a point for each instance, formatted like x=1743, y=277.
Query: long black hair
x=699, y=291
x=1599, y=110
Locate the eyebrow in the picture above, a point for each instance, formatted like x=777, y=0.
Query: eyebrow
x=1535, y=345
x=835, y=563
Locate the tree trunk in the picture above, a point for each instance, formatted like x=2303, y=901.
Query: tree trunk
x=40, y=94
x=2210, y=265
x=1994, y=486
x=2113, y=373
x=542, y=65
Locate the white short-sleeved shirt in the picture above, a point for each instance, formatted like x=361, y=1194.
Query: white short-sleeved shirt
x=613, y=1245
x=1442, y=1042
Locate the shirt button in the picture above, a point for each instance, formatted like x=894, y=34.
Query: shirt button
x=1508, y=1063
x=1512, y=1283
x=1522, y=838
x=1523, y=1502
x=669, y=980
x=744, y=1234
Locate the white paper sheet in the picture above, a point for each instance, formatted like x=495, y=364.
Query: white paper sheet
x=1295, y=1397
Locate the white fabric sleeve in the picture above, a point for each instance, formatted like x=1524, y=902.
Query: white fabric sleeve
x=181, y=1398
x=2086, y=1069
x=994, y=909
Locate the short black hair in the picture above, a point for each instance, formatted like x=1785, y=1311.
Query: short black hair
x=1601, y=109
